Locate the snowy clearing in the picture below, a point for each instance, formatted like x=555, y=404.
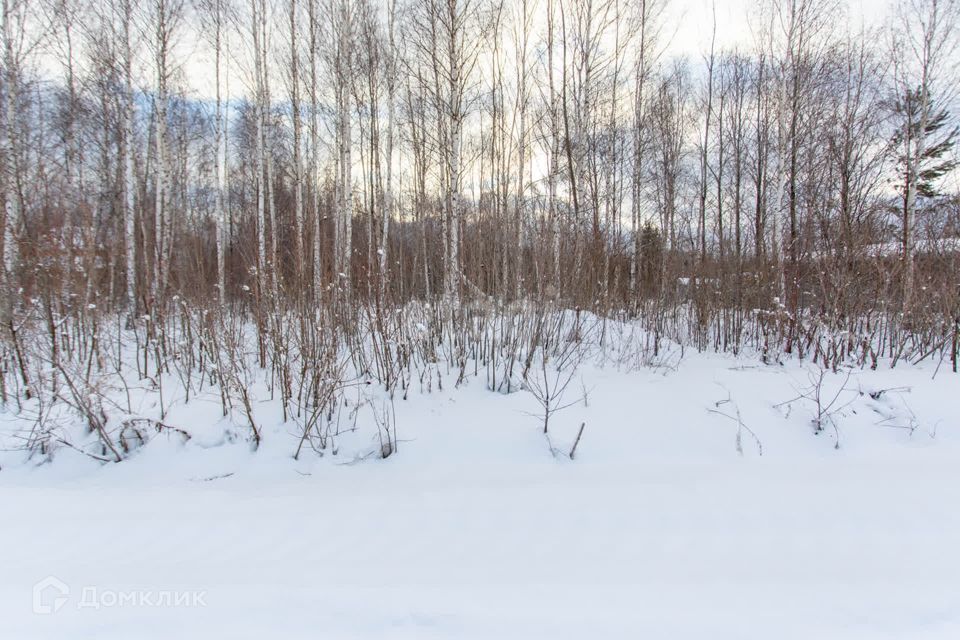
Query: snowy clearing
x=659, y=527
x=476, y=320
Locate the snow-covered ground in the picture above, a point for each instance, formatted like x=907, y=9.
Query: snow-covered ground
x=667, y=524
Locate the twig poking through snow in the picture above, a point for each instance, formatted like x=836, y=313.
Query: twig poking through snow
x=573, y=449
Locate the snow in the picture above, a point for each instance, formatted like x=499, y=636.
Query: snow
x=665, y=525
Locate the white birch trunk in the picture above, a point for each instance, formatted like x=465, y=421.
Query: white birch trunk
x=256, y=9
x=126, y=147
x=387, y=184
x=345, y=203
x=220, y=160
x=12, y=204
x=297, y=159
x=314, y=153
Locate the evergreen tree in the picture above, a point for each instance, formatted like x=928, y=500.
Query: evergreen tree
x=938, y=138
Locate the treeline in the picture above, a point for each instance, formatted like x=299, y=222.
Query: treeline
x=351, y=153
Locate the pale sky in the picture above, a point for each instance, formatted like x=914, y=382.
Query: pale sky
x=687, y=24
x=692, y=20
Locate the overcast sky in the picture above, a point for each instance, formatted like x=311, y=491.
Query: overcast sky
x=686, y=26
x=692, y=20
